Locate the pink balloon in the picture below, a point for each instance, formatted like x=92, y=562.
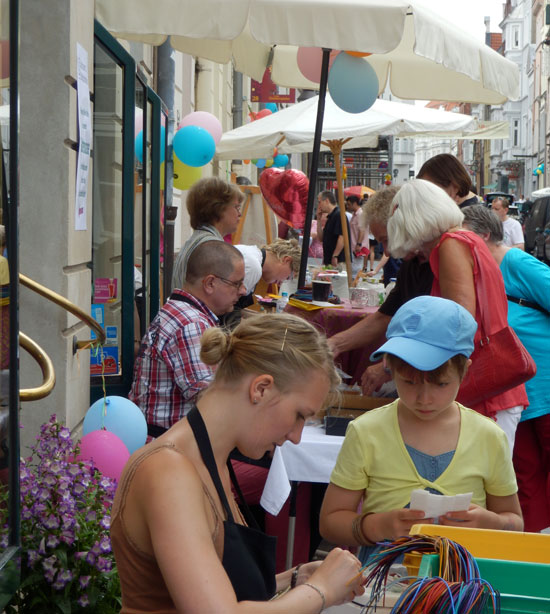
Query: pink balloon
x=263, y=113
x=106, y=450
x=310, y=60
x=205, y=120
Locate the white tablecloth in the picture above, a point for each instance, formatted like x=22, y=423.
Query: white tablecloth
x=312, y=460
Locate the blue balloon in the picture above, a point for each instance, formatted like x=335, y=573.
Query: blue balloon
x=352, y=83
x=139, y=146
x=280, y=160
x=260, y=163
x=272, y=106
x=162, y=144
x=194, y=145
x=119, y=416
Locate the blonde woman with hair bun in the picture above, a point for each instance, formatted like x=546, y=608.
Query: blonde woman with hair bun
x=179, y=537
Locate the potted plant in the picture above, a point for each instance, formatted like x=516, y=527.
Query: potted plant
x=67, y=564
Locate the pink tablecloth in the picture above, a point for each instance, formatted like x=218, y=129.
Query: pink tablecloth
x=331, y=321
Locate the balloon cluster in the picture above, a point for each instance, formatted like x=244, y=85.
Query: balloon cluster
x=114, y=428
x=276, y=159
x=194, y=145
x=352, y=81
x=539, y=170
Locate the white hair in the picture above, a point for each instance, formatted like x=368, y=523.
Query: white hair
x=422, y=212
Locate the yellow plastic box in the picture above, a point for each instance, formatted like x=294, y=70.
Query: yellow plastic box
x=485, y=543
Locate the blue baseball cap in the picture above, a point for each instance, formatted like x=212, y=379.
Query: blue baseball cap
x=427, y=331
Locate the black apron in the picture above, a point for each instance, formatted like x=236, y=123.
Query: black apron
x=248, y=554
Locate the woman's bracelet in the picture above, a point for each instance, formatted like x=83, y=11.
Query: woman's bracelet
x=294, y=577
x=357, y=530
x=319, y=592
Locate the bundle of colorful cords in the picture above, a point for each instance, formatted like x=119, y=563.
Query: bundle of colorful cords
x=457, y=590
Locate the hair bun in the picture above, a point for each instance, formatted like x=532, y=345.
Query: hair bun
x=215, y=345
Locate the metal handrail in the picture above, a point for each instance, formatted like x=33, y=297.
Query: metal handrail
x=45, y=363
x=56, y=298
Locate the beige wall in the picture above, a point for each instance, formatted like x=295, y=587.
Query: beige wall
x=51, y=251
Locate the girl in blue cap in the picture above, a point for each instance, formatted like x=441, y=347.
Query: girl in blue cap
x=424, y=439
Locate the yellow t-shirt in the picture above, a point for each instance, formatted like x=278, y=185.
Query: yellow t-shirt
x=374, y=458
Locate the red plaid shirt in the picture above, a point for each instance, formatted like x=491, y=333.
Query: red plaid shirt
x=168, y=373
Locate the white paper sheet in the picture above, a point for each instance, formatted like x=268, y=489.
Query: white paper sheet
x=438, y=505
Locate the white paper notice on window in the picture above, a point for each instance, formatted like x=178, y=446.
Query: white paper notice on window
x=84, y=138
x=434, y=506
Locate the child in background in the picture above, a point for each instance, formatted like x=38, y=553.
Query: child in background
x=424, y=439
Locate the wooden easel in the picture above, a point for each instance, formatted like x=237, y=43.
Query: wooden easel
x=249, y=191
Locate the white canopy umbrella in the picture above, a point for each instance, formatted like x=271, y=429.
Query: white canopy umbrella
x=416, y=53
x=419, y=54
x=292, y=130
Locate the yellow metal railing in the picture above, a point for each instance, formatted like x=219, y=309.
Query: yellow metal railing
x=44, y=361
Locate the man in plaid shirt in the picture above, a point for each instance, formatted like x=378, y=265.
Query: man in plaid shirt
x=168, y=373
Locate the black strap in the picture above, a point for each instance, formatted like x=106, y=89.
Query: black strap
x=176, y=296
x=526, y=303
x=263, y=255
x=154, y=430
x=205, y=448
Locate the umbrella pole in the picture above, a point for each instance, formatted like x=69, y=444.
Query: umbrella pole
x=313, y=167
x=336, y=149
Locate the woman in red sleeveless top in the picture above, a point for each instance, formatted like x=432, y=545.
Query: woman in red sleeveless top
x=426, y=223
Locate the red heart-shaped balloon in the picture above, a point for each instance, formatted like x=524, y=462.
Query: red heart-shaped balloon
x=286, y=193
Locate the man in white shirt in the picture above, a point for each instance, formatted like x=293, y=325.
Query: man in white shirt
x=513, y=233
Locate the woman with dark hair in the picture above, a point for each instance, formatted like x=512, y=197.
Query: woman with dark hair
x=448, y=172
x=527, y=283
x=214, y=208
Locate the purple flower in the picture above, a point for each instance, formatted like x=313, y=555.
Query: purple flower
x=50, y=563
x=67, y=537
x=90, y=558
x=51, y=542
x=83, y=601
x=51, y=522
x=103, y=564
x=32, y=557
x=105, y=545
x=42, y=547
x=62, y=578
x=105, y=522
x=84, y=581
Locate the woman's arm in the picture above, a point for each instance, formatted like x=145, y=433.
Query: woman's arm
x=382, y=262
x=175, y=519
x=367, y=331
x=456, y=274
x=502, y=513
x=339, y=511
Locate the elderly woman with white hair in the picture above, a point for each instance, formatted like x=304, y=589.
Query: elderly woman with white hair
x=426, y=223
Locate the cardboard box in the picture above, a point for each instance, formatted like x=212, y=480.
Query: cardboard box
x=352, y=405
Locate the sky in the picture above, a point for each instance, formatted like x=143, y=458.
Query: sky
x=469, y=14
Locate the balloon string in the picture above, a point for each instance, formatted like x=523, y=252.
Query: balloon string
x=95, y=351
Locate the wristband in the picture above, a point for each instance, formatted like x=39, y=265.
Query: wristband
x=357, y=530
x=294, y=577
x=320, y=592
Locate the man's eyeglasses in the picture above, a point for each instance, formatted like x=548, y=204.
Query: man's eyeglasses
x=236, y=284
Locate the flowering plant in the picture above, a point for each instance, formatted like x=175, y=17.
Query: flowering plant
x=66, y=562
